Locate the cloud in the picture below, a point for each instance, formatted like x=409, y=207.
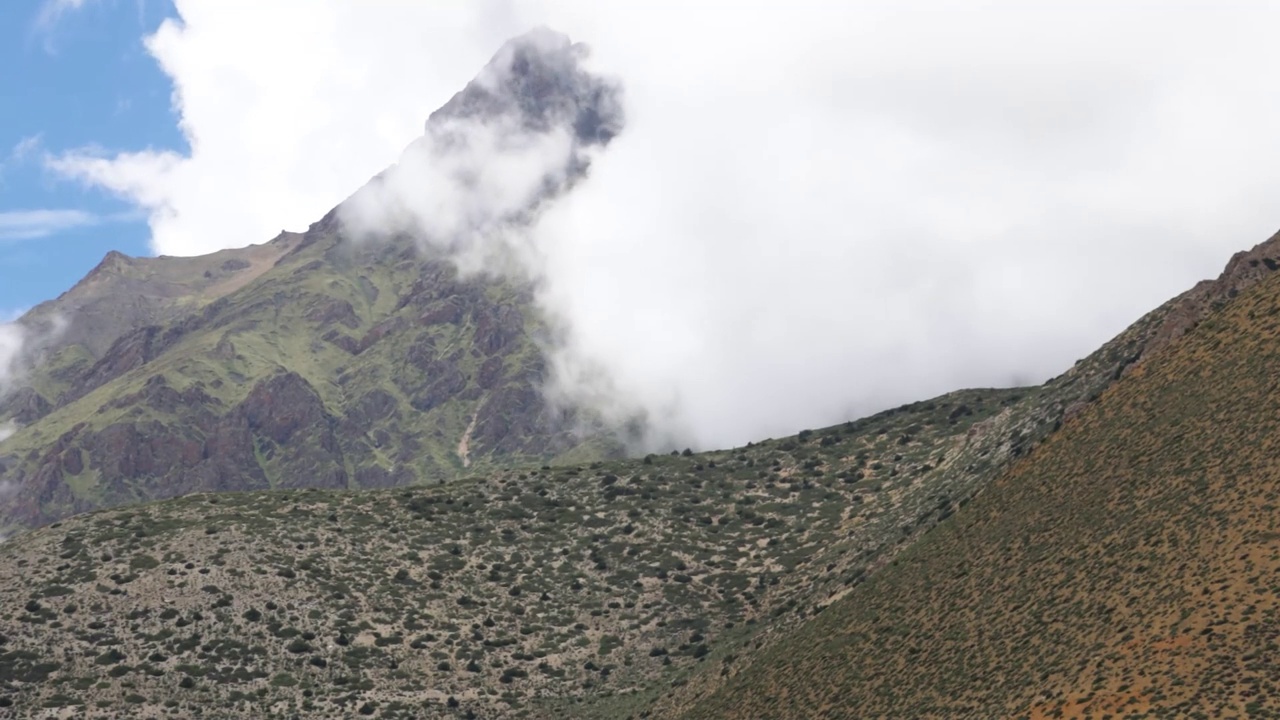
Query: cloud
x=6, y=431
x=13, y=344
x=22, y=345
x=279, y=125
x=12, y=314
x=26, y=148
x=33, y=224
x=21, y=153
x=816, y=209
x=516, y=138
x=51, y=11
x=26, y=224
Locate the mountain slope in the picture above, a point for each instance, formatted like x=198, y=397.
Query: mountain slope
x=570, y=592
x=800, y=577
x=335, y=358
x=1125, y=569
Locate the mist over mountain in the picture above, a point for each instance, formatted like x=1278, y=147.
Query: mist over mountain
x=398, y=340
x=475, y=186
x=400, y=463
x=813, y=211
x=521, y=133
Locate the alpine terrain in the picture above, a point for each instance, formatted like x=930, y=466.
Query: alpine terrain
x=320, y=477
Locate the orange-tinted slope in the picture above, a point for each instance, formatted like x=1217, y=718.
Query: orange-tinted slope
x=1129, y=567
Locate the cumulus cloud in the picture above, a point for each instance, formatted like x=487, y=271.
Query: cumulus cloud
x=816, y=209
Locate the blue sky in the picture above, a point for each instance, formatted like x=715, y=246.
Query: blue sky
x=79, y=79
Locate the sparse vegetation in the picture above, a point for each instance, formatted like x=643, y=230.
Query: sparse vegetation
x=1126, y=569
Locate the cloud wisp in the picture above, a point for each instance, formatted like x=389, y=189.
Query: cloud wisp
x=42, y=223
x=51, y=11
x=815, y=210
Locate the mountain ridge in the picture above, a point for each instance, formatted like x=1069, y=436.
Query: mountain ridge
x=169, y=362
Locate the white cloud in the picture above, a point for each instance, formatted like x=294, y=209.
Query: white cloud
x=30, y=224
x=13, y=340
x=9, y=315
x=22, y=347
x=6, y=431
x=22, y=152
x=26, y=148
x=53, y=10
x=817, y=208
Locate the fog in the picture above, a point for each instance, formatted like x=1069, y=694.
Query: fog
x=814, y=210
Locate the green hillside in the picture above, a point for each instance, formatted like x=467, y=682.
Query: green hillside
x=335, y=367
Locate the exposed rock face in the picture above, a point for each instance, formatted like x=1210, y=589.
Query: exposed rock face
x=288, y=418
x=1245, y=269
x=25, y=406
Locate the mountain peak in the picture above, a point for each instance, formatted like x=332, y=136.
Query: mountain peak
x=537, y=79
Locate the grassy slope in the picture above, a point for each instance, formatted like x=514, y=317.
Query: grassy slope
x=649, y=570
x=1126, y=569
x=729, y=550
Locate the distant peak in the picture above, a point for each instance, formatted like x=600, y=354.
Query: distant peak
x=113, y=260
x=537, y=78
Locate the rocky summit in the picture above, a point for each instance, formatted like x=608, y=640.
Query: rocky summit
x=318, y=477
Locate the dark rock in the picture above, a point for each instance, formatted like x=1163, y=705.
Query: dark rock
x=448, y=382
x=285, y=407
x=335, y=311
x=444, y=312
x=72, y=462
x=381, y=330
x=491, y=372
x=342, y=340
x=373, y=407
x=282, y=405
x=497, y=328
x=25, y=406
x=537, y=78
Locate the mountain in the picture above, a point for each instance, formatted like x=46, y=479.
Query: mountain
x=620, y=588
x=335, y=358
x=1126, y=568
x=1096, y=544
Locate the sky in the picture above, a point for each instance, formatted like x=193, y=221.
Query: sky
x=816, y=210
x=71, y=80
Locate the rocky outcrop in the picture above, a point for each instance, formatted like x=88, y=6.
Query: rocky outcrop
x=538, y=79
x=391, y=326
x=1245, y=269
x=497, y=328
x=280, y=406
x=335, y=312
x=158, y=395
x=294, y=432
x=24, y=406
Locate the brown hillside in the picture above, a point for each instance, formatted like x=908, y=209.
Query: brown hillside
x=1128, y=568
